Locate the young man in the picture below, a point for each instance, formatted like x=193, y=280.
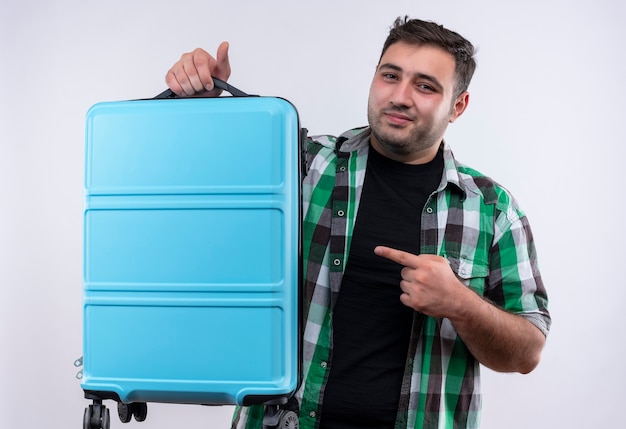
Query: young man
x=417, y=268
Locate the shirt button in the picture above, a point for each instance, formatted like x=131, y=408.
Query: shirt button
x=429, y=210
x=341, y=213
x=342, y=168
x=312, y=414
x=324, y=364
x=337, y=262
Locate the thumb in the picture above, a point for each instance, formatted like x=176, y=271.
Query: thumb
x=223, y=62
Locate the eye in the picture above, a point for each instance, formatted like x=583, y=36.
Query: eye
x=425, y=87
x=389, y=76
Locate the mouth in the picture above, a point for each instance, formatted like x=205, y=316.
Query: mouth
x=397, y=118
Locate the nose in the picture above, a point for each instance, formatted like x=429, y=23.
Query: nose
x=401, y=94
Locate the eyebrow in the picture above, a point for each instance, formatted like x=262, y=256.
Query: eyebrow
x=424, y=76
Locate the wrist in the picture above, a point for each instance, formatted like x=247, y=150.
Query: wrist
x=468, y=307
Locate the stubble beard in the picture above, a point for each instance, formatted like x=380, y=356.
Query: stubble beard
x=402, y=142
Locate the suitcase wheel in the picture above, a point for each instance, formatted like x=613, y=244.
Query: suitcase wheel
x=137, y=409
x=124, y=412
x=277, y=418
x=140, y=411
x=289, y=420
x=96, y=417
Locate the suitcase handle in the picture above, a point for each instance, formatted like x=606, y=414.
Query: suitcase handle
x=219, y=83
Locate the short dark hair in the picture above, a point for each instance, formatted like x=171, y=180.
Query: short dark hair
x=417, y=31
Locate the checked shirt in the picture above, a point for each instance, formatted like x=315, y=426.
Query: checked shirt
x=470, y=220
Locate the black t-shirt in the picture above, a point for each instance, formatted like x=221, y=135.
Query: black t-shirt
x=371, y=327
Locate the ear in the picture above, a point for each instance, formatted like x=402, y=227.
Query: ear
x=459, y=106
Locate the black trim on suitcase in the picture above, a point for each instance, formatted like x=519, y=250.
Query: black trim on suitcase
x=219, y=83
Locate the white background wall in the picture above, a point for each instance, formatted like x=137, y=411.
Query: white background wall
x=546, y=119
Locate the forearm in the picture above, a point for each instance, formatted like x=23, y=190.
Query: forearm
x=499, y=340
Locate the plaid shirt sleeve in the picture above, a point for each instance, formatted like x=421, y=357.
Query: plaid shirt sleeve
x=505, y=255
x=477, y=225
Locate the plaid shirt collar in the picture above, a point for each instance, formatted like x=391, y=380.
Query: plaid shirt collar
x=349, y=142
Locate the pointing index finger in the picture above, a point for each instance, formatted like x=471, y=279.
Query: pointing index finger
x=401, y=257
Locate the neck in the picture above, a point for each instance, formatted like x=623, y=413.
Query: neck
x=422, y=156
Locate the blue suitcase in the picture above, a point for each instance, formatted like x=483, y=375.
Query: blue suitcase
x=191, y=253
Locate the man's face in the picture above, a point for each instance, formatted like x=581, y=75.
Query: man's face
x=411, y=101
